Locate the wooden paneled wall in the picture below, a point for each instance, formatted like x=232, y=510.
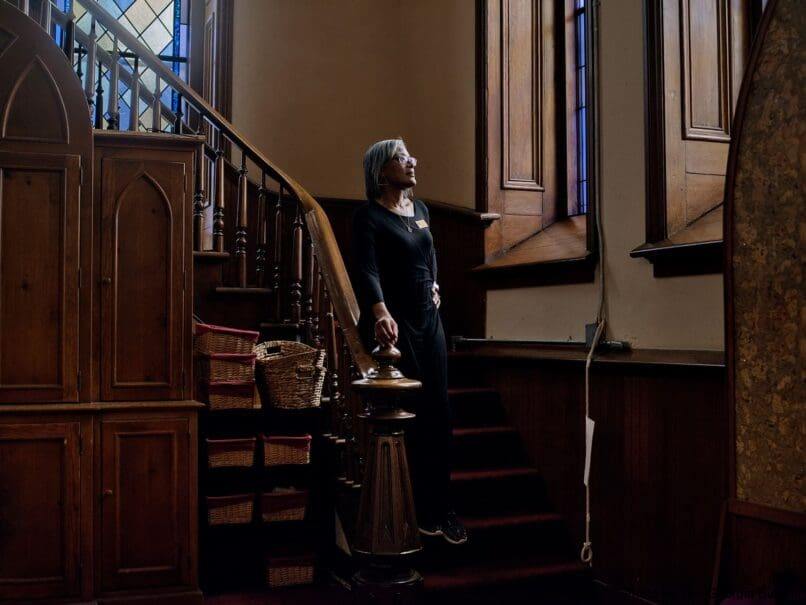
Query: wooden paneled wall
x=659, y=466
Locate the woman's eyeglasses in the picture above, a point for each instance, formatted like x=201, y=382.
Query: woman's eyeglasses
x=406, y=159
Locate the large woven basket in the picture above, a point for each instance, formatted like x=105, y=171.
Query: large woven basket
x=218, y=339
x=230, y=510
x=283, y=504
x=231, y=452
x=227, y=367
x=227, y=395
x=289, y=571
x=292, y=449
x=289, y=374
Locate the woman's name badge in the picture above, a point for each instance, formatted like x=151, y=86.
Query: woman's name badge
x=421, y=224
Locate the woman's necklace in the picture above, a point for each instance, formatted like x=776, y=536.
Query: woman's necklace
x=405, y=222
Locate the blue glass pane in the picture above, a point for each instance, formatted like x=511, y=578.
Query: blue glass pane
x=124, y=4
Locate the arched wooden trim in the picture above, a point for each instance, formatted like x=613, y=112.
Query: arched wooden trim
x=7, y=40
x=36, y=63
x=144, y=175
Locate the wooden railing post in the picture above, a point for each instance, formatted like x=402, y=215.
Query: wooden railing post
x=134, y=106
x=262, y=236
x=114, y=75
x=156, y=107
x=199, y=199
x=89, y=82
x=278, y=252
x=386, y=534
x=243, y=225
x=99, y=97
x=218, y=210
x=296, y=267
x=70, y=38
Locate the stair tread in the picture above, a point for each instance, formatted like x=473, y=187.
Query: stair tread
x=494, y=473
x=499, y=572
x=244, y=291
x=211, y=255
x=495, y=521
x=483, y=430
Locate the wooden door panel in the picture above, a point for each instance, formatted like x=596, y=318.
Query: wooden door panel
x=39, y=199
x=39, y=510
x=142, y=278
x=146, y=503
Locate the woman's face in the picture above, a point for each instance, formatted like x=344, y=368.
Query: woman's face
x=399, y=171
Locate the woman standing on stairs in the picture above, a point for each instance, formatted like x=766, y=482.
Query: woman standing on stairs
x=396, y=283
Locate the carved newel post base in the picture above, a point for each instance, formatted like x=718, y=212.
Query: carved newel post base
x=386, y=535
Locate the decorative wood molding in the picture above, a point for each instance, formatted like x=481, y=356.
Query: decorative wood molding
x=530, y=78
x=693, y=128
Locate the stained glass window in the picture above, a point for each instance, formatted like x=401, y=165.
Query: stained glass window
x=162, y=26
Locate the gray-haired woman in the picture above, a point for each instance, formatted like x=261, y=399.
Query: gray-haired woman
x=396, y=283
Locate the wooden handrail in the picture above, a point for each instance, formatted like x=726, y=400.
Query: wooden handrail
x=327, y=251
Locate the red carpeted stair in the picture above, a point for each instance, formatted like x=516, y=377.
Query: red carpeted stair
x=519, y=549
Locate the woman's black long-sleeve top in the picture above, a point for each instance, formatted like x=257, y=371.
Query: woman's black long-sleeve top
x=392, y=264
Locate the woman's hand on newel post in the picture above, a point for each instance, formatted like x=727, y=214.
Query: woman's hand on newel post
x=385, y=325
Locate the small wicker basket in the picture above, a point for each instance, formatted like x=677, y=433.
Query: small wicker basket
x=227, y=395
x=231, y=452
x=218, y=339
x=289, y=571
x=284, y=504
x=289, y=374
x=230, y=510
x=279, y=450
x=227, y=367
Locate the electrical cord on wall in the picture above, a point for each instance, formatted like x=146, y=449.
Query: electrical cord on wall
x=586, y=554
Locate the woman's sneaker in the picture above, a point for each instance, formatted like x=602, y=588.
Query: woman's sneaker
x=453, y=530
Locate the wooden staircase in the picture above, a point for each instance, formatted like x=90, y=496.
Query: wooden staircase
x=519, y=550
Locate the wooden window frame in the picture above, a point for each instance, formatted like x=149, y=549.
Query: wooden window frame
x=514, y=258
x=694, y=250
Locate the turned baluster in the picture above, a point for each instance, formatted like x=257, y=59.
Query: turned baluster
x=310, y=271
x=316, y=289
x=178, y=119
x=218, y=210
x=89, y=83
x=296, y=267
x=156, y=107
x=332, y=367
x=242, y=226
x=79, y=65
x=25, y=6
x=134, y=106
x=45, y=16
x=262, y=228
x=99, y=97
x=278, y=252
x=348, y=413
x=69, y=40
x=114, y=75
x=199, y=199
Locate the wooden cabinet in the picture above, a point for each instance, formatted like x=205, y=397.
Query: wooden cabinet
x=143, y=185
x=147, y=499
x=40, y=507
x=99, y=501
x=39, y=264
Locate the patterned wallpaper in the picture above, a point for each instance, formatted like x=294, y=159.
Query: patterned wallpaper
x=768, y=264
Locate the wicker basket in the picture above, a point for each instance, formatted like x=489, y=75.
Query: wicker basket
x=284, y=504
x=289, y=374
x=230, y=452
x=227, y=395
x=289, y=571
x=279, y=450
x=230, y=510
x=218, y=339
x=227, y=367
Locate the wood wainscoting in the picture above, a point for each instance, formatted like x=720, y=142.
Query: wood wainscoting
x=659, y=471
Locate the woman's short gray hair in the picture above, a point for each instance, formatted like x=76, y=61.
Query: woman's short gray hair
x=374, y=160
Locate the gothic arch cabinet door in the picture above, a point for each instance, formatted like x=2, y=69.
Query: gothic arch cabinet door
x=143, y=278
x=148, y=493
x=40, y=507
x=39, y=263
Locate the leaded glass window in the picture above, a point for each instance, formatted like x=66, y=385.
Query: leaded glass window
x=162, y=26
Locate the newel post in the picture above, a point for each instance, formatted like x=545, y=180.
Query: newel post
x=386, y=533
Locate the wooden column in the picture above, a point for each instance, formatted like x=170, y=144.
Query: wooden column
x=218, y=211
x=243, y=223
x=262, y=235
x=199, y=198
x=387, y=535
x=296, y=268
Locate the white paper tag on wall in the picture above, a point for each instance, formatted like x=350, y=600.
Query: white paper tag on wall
x=589, y=425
